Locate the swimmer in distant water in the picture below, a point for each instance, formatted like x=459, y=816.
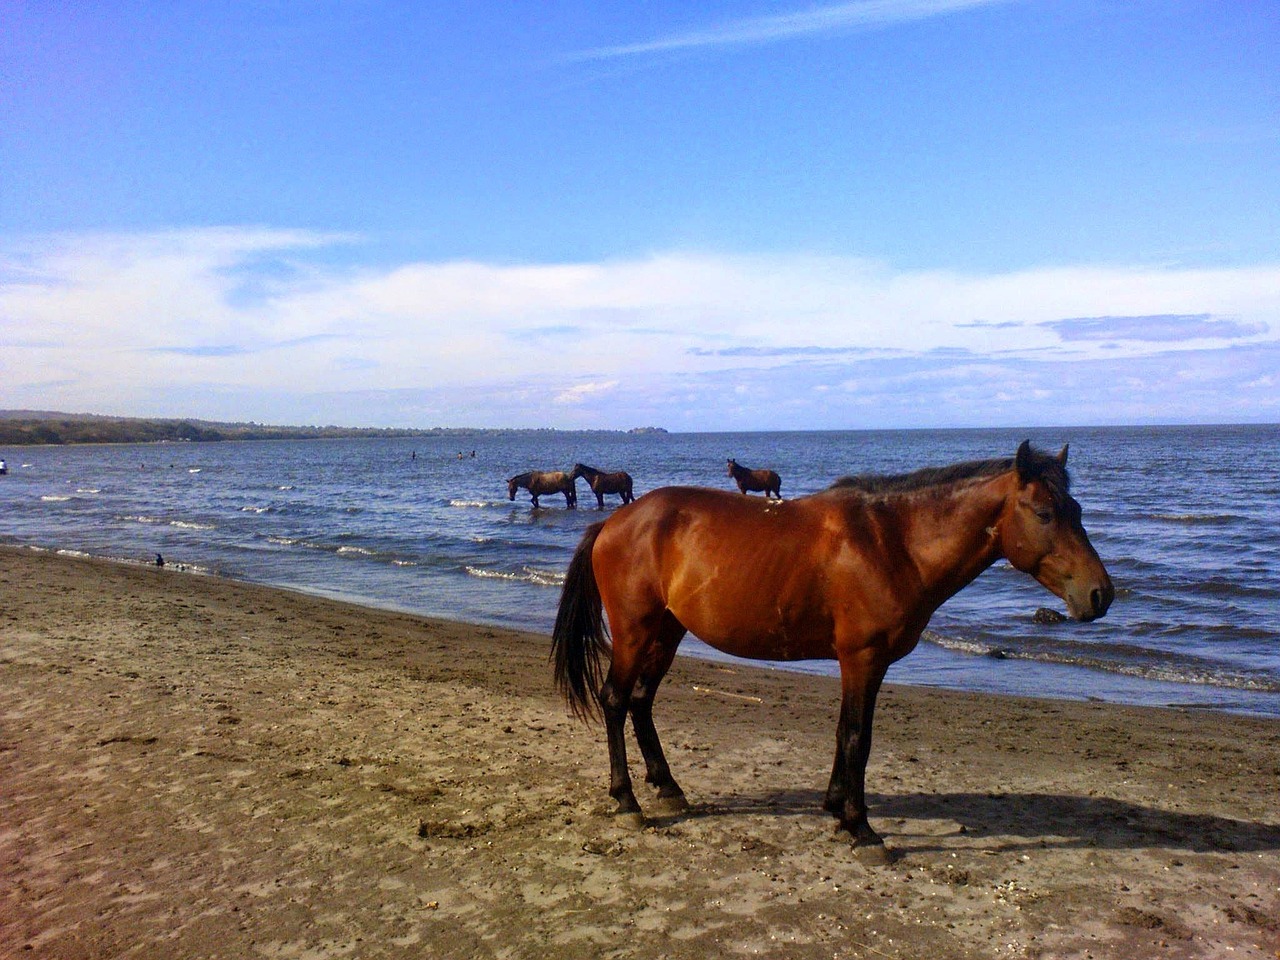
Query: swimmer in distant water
x=4, y=468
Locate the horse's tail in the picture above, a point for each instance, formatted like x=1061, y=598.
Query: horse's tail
x=580, y=639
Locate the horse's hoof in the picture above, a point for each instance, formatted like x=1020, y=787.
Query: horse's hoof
x=874, y=854
x=670, y=806
x=630, y=821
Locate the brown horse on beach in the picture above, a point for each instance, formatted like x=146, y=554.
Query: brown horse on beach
x=851, y=573
x=602, y=483
x=748, y=479
x=538, y=482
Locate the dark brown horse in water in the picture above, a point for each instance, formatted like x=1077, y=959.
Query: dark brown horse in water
x=602, y=483
x=748, y=480
x=852, y=573
x=538, y=482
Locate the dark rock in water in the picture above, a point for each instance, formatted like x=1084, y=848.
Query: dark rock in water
x=1045, y=615
x=997, y=654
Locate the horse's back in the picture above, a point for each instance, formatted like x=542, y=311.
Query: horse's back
x=551, y=479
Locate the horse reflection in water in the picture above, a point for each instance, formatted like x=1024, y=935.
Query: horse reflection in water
x=852, y=573
x=602, y=483
x=539, y=482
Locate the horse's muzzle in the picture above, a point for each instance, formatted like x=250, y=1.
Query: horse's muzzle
x=1092, y=605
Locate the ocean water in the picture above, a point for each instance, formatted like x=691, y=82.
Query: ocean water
x=1187, y=520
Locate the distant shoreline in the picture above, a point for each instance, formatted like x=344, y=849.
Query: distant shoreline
x=26, y=428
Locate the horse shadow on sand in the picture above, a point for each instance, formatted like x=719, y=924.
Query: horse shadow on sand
x=1018, y=821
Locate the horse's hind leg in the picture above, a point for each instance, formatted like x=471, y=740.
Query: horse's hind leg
x=641, y=656
x=671, y=799
x=615, y=702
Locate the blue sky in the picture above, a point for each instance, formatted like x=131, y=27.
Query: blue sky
x=723, y=215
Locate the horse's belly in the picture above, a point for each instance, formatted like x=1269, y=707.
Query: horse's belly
x=757, y=631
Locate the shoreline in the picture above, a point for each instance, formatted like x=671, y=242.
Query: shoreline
x=202, y=766
x=1061, y=680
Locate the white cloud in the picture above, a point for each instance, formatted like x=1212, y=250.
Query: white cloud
x=802, y=23
x=253, y=324
x=584, y=391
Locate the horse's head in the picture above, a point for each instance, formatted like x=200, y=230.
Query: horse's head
x=512, y=485
x=579, y=470
x=1041, y=533
x=733, y=465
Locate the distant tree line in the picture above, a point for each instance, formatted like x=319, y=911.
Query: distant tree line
x=30, y=427
x=18, y=431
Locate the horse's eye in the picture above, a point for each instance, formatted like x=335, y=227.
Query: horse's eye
x=1044, y=516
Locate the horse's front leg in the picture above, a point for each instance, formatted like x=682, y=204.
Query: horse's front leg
x=846, y=793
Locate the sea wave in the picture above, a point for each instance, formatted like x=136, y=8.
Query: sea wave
x=527, y=574
x=1170, y=670
x=165, y=521
x=347, y=551
x=1197, y=519
x=55, y=498
x=1227, y=589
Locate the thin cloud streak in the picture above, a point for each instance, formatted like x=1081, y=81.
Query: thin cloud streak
x=1159, y=329
x=805, y=23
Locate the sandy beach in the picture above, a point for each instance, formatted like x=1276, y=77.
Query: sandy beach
x=197, y=768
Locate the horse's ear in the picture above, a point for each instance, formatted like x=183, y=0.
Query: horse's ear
x=1062, y=454
x=1023, y=462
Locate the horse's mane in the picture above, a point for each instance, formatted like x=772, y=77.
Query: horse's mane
x=1042, y=466
x=525, y=477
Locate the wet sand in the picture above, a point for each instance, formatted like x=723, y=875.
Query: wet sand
x=195, y=768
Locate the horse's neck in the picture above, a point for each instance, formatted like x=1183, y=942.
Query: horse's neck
x=951, y=536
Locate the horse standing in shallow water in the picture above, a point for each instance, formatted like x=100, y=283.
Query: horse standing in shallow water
x=602, y=483
x=748, y=479
x=852, y=573
x=538, y=482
